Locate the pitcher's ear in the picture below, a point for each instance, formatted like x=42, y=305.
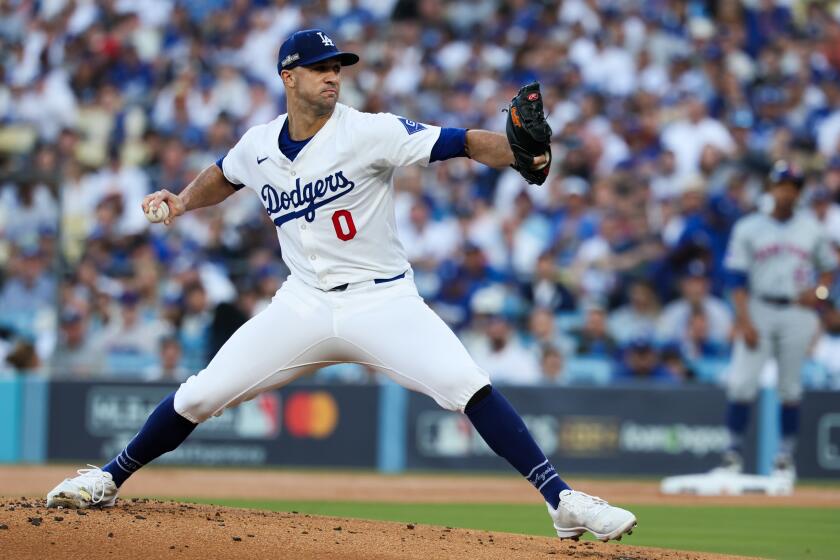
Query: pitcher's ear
x=288, y=78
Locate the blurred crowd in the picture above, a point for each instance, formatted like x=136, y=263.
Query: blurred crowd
x=667, y=115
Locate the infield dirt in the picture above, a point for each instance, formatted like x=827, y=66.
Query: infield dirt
x=143, y=529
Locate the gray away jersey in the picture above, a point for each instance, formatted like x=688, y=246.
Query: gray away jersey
x=781, y=259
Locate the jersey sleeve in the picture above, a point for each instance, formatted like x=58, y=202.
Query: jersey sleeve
x=235, y=164
x=398, y=141
x=738, y=253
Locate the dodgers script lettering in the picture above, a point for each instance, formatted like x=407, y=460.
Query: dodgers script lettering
x=303, y=200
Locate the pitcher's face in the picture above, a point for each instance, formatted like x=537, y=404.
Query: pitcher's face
x=317, y=85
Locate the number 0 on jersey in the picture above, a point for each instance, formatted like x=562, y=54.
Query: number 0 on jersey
x=345, y=229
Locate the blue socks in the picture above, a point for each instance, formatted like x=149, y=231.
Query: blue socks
x=789, y=419
x=505, y=432
x=163, y=431
x=491, y=414
x=737, y=418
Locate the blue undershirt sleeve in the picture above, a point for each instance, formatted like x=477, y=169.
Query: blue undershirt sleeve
x=222, y=169
x=736, y=278
x=451, y=143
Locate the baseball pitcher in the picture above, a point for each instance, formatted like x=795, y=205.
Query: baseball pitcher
x=324, y=173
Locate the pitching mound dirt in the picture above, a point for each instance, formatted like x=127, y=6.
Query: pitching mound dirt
x=144, y=529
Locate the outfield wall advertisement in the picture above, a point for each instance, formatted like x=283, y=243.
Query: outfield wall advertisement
x=615, y=430
x=622, y=431
x=818, y=452
x=299, y=425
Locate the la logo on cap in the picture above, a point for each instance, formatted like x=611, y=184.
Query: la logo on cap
x=310, y=46
x=325, y=40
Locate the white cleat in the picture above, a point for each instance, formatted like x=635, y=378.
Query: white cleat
x=784, y=468
x=93, y=487
x=731, y=463
x=578, y=513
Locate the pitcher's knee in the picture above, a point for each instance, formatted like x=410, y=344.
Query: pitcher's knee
x=195, y=401
x=460, y=388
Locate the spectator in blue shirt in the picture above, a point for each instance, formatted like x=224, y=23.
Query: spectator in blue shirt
x=641, y=361
x=593, y=339
x=460, y=280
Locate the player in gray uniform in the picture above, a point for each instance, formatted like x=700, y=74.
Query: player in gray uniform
x=780, y=265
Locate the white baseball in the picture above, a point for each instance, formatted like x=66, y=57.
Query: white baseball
x=157, y=214
x=546, y=162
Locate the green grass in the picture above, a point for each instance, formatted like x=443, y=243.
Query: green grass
x=769, y=532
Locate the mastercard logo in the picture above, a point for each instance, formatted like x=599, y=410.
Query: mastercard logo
x=311, y=414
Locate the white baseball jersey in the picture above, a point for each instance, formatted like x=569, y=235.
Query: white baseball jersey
x=333, y=208
x=780, y=258
x=333, y=205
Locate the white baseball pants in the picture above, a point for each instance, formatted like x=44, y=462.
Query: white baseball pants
x=386, y=326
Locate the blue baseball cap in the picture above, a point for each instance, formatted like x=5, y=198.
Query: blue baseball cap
x=696, y=269
x=640, y=343
x=309, y=46
x=784, y=171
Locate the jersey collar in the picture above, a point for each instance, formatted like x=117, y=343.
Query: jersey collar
x=277, y=125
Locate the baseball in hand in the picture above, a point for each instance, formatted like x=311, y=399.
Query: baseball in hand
x=157, y=214
x=546, y=160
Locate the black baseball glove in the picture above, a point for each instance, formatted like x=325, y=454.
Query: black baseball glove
x=528, y=134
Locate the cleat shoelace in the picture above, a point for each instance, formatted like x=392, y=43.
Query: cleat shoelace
x=97, y=483
x=582, y=502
